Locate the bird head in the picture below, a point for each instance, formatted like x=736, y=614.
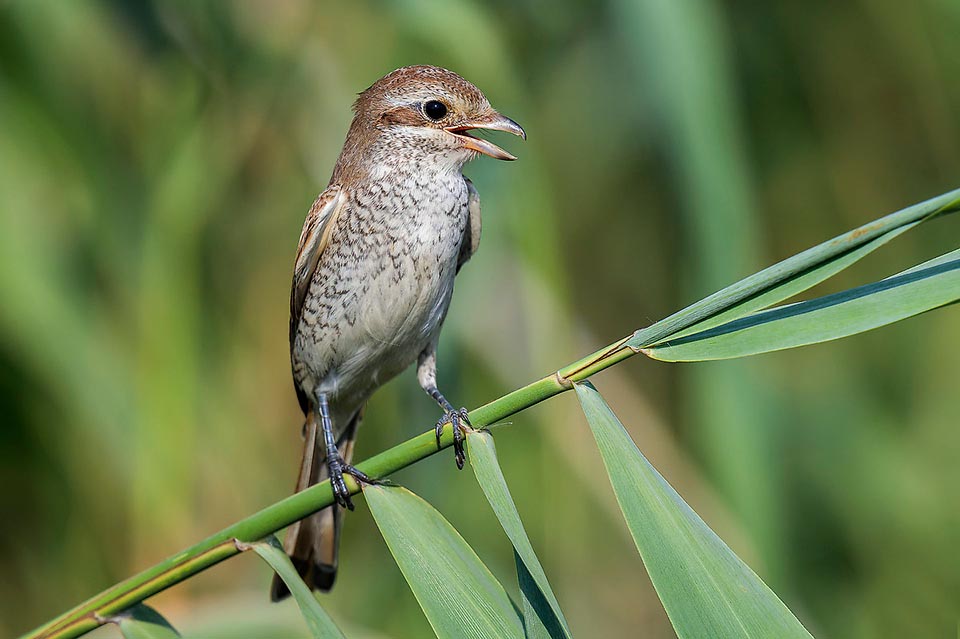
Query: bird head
x=426, y=110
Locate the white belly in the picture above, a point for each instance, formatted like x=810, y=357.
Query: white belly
x=397, y=320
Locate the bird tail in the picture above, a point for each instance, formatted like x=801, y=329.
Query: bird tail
x=313, y=542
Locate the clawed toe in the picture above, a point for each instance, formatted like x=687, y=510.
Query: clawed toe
x=340, y=492
x=443, y=421
x=460, y=421
x=338, y=468
x=358, y=474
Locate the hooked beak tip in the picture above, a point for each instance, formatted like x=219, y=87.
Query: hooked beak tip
x=512, y=127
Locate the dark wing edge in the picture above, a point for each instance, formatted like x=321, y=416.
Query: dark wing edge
x=471, y=236
x=313, y=239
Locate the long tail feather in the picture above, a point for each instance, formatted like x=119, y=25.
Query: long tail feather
x=313, y=543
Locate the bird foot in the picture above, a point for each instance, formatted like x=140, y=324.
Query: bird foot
x=338, y=468
x=460, y=421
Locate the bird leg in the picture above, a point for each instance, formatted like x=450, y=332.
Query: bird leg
x=458, y=419
x=336, y=466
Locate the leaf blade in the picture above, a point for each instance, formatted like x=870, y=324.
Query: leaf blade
x=931, y=285
x=705, y=588
x=319, y=623
x=539, y=620
x=534, y=586
x=458, y=594
x=143, y=622
x=770, y=277
x=793, y=285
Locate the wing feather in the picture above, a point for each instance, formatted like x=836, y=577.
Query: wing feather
x=313, y=239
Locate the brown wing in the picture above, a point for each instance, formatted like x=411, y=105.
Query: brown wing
x=471, y=237
x=313, y=239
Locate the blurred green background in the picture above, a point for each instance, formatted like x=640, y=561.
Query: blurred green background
x=156, y=163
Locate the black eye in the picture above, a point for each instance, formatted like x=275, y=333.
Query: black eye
x=435, y=110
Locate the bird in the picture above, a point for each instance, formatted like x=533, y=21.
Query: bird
x=374, y=275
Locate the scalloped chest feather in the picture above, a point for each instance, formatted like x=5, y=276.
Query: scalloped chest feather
x=382, y=286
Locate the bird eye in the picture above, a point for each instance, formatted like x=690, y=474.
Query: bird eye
x=434, y=109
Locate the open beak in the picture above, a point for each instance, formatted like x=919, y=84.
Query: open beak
x=495, y=122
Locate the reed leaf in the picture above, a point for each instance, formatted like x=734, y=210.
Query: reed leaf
x=705, y=588
x=791, y=269
x=320, y=624
x=541, y=607
x=826, y=318
x=459, y=596
x=143, y=622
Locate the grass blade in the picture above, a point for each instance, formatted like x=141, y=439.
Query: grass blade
x=934, y=284
x=533, y=581
x=942, y=259
x=320, y=624
x=539, y=619
x=705, y=588
x=795, y=284
x=770, y=277
x=458, y=594
x=143, y=622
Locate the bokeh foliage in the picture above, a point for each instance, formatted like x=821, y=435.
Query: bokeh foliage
x=156, y=163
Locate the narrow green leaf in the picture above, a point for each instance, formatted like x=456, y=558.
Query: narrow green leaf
x=319, y=623
x=705, y=588
x=794, y=285
x=458, y=594
x=539, y=620
x=759, y=283
x=530, y=574
x=942, y=259
x=826, y=318
x=143, y=622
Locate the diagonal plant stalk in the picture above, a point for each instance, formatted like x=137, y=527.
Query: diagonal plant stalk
x=771, y=285
x=231, y=540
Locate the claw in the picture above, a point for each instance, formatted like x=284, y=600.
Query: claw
x=443, y=421
x=358, y=474
x=341, y=494
x=459, y=420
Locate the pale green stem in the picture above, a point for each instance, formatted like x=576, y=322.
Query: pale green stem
x=229, y=541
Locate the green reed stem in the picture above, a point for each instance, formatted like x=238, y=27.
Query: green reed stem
x=228, y=542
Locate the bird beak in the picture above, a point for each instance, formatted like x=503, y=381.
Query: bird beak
x=494, y=122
